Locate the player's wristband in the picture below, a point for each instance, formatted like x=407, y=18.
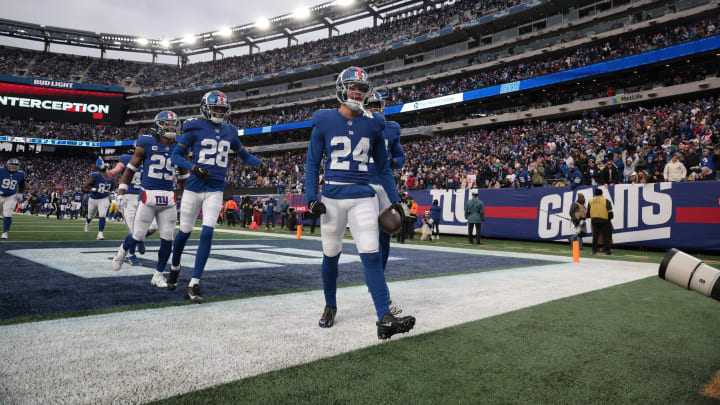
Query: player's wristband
x=131, y=167
x=123, y=187
x=184, y=176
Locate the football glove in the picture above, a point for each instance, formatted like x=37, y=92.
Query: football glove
x=201, y=172
x=316, y=208
x=100, y=164
x=120, y=203
x=398, y=206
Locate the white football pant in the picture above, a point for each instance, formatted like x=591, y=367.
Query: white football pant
x=210, y=202
x=361, y=214
x=98, y=206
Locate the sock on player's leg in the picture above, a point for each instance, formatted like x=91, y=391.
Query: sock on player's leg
x=7, y=221
x=384, y=248
x=101, y=224
x=329, y=277
x=164, y=254
x=375, y=280
x=179, y=246
x=203, y=251
x=129, y=244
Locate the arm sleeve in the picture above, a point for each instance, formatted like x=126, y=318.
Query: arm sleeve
x=248, y=157
x=312, y=164
x=397, y=153
x=386, y=175
x=178, y=155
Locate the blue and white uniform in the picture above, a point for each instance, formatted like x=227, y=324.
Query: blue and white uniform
x=10, y=184
x=157, y=184
x=396, y=158
x=132, y=194
x=348, y=144
x=99, y=201
x=210, y=144
x=76, y=202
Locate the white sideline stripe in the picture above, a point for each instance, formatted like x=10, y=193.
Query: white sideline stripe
x=140, y=356
x=95, y=263
x=430, y=247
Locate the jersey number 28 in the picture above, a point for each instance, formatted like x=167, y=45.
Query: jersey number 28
x=214, y=153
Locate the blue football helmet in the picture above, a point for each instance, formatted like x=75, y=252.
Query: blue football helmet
x=167, y=124
x=363, y=88
x=375, y=102
x=215, y=106
x=13, y=165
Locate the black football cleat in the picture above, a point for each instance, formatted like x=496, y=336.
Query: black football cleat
x=172, y=281
x=193, y=294
x=392, y=325
x=327, y=319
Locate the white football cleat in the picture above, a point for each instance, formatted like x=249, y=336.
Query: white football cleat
x=4, y=235
x=119, y=259
x=87, y=227
x=100, y=236
x=159, y=281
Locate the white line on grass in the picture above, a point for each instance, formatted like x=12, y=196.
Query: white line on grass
x=140, y=356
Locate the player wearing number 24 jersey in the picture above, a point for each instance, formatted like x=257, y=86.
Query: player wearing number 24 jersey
x=347, y=138
x=211, y=141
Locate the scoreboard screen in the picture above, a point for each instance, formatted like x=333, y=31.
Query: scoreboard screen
x=52, y=104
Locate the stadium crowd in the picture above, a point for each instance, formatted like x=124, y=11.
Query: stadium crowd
x=45, y=173
x=60, y=66
x=631, y=146
x=672, y=142
x=575, y=58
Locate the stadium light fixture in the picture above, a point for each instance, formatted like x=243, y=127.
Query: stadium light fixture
x=189, y=39
x=165, y=43
x=301, y=13
x=262, y=23
x=224, y=31
x=344, y=3
x=142, y=41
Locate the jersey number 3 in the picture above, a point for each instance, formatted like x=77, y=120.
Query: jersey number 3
x=338, y=157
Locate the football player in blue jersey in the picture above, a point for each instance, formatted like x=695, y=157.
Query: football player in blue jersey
x=12, y=185
x=99, y=201
x=210, y=140
x=128, y=204
x=348, y=137
x=76, y=203
x=64, y=199
x=153, y=153
x=396, y=160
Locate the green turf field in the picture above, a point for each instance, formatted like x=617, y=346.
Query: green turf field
x=643, y=342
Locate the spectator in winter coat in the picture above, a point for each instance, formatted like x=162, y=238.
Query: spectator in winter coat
x=674, y=170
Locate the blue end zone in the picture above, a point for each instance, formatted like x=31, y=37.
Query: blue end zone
x=52, y=278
